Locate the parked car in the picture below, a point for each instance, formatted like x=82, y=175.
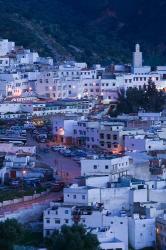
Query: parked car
x=58, y=148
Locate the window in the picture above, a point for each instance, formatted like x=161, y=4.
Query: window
x=75, y=131
x=66, y=211
x=83, y=197
x=95, y=166
x=121, y=222
x=74, y=196
x=57, y=221
x=47, y=221
x=108, y=136
x=66, y=221
x=101, y=136
x=106, y=166
x=115, y=137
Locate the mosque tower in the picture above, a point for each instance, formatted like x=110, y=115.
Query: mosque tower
x=137, y=57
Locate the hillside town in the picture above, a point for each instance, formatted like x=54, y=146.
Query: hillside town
x=64, y=158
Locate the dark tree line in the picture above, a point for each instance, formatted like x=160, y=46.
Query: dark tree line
x=147, y=98
x=75, y=237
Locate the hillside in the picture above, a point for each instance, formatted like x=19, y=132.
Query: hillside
x=91, y=30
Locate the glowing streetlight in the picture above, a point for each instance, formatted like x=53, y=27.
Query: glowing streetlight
x=79, y=96
x=24, y=172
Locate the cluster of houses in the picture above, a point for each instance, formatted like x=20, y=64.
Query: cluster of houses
x=18, y=164
x=25, y=76
x=122, y=188
x=121, y=193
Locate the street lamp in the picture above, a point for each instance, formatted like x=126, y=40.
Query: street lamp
x=23, y=173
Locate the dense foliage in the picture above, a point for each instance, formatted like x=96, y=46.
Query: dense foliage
x=92, y=30
x=75, y=238
x=13, y=233
x=147, y=98
x=10, y=233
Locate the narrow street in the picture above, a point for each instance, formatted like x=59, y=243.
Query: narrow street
x=66, y=168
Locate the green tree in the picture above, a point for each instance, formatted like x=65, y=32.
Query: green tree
x=148, y=98
x=10, y=233
x=75, y=238
x=154, y=100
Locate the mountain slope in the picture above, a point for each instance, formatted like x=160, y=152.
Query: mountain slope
x=92, y=30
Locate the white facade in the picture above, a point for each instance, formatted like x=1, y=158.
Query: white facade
x=61, y=107
x=114, y=199
x=138, y=195
x=141, y=232
x=103, y=166
x=27, y=57
x=6, y=47
x=90, y=217
x=15, y=108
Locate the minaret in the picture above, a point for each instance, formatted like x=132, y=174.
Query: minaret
x=137, y=57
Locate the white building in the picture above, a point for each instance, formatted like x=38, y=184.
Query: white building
x=6, y=47
x=142, y=143
x=114, y=199
x=70, y=107
x=63, y=129
x=15, y=108
x=91, y=217
x=114, y=166
x=27, y=57
x=141, y=232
